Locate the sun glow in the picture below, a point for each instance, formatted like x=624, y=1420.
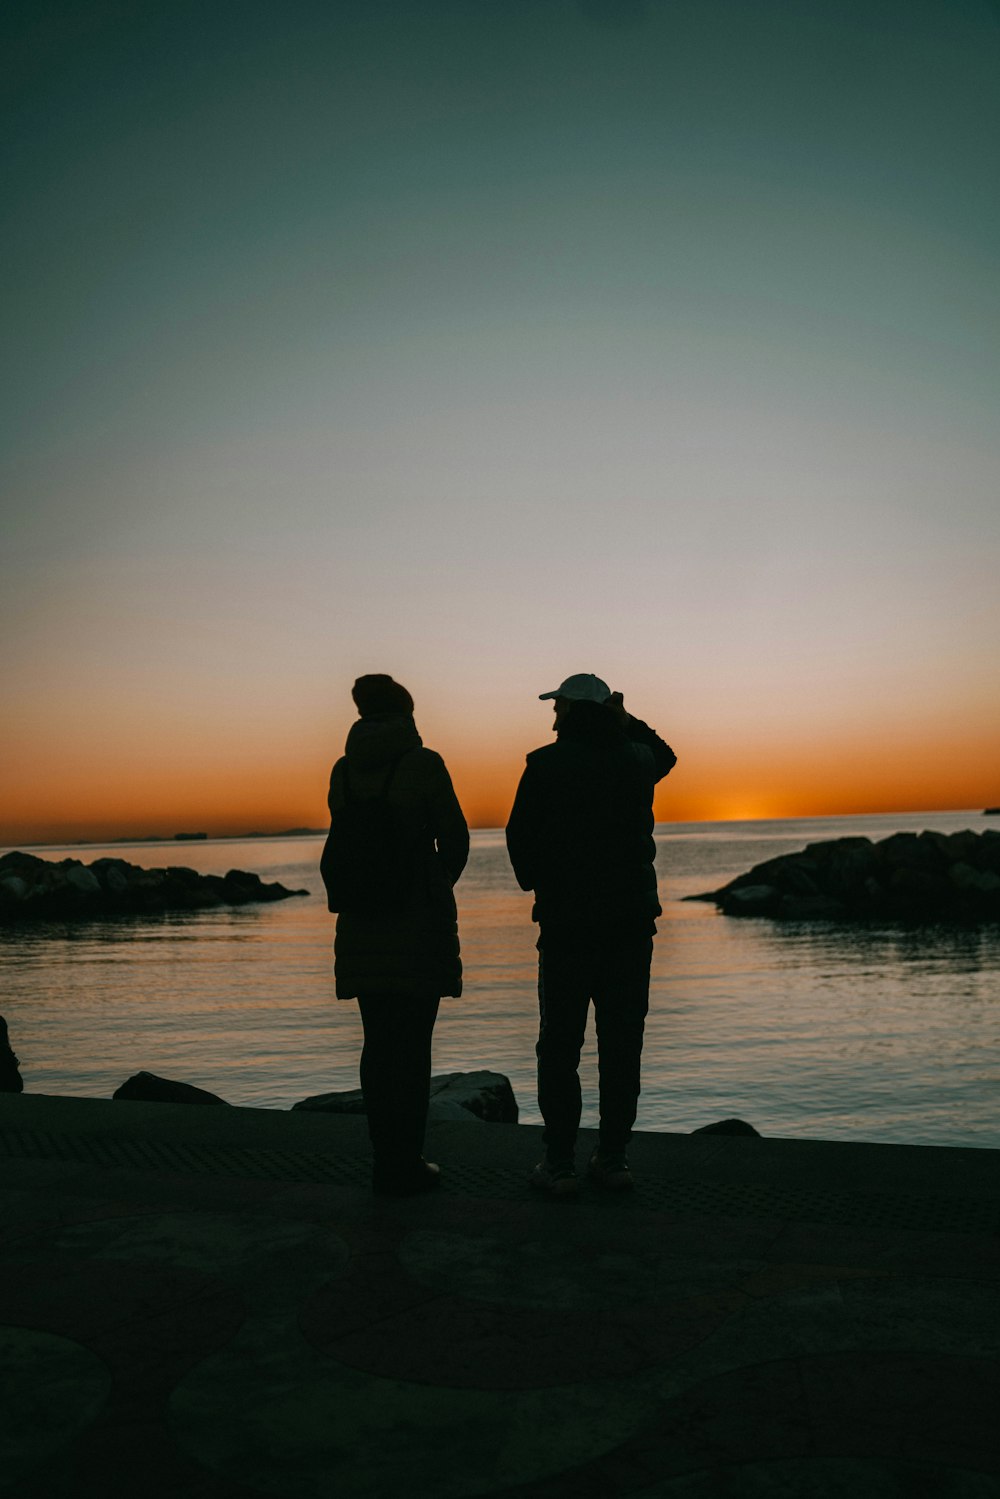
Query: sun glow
x=740, y=809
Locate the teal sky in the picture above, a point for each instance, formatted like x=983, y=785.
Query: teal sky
x=485, y=342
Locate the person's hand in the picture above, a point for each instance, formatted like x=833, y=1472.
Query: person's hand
x=616, y=706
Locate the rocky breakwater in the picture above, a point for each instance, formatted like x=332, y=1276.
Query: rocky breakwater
x=910, y=877
x=33, y=889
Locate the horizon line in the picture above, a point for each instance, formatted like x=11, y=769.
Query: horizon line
x=302, y=832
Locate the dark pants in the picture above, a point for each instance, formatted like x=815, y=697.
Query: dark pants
x=396, y=1076
x=616, y=978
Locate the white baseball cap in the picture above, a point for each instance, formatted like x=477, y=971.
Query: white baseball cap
x=583, y=688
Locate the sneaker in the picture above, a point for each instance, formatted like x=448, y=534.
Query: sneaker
x=555, y=1179
x=423, y=1177
x=609, y=1169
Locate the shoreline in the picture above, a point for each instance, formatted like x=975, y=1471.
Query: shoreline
x=232, y=1124
x=916, y=1187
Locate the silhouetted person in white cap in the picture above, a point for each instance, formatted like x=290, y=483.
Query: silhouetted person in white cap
x=397, y=845
x=580, y=835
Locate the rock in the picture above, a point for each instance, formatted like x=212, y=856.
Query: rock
x=449, y=1108
x=351, y=1101
x=10, y=1078
x=146, y=1087
x=83, y=879
x=849, y=862
x=486, y=1096
x=964, y=845
x=749, y=899
x=33, y=888
x=727, y=1127
x=113, y=875
x=965, y=877
x=909, y=877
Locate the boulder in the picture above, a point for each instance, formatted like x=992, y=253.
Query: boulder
x=10, y=1078
x=727, y=1127
x=966, y=877
x=484, y=1096
x=909, y=878
x=113, y=876
x=966, y=845
x=350, y=1101
x=146, y=1087
x=750, y=899
x=83, y=879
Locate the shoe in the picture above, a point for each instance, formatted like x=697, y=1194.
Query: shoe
x=556, y=1179
x=609, y=1169
x=423, y=1177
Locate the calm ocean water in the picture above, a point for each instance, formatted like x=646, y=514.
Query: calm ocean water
x=803, y=1030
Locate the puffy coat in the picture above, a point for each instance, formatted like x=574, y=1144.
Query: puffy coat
x=415, y=950
x=580, y=833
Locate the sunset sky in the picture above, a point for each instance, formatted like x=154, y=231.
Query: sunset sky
x=482, y=342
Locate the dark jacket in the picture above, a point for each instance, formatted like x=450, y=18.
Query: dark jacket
x=580, y=833
x=414, y=950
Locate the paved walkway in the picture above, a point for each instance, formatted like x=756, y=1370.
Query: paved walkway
x=208, y=1302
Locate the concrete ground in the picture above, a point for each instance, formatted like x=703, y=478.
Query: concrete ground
x=209, y=1302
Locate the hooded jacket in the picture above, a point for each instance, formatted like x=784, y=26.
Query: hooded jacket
x=580, y=833
x=414, y=950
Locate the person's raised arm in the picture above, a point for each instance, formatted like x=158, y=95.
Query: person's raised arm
x=663, y=757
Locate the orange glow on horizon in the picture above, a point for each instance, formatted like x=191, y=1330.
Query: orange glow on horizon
x=96, y=809
x=134, y=779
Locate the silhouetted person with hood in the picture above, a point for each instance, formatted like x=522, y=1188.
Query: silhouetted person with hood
x=580, y=835
x=396, y=948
